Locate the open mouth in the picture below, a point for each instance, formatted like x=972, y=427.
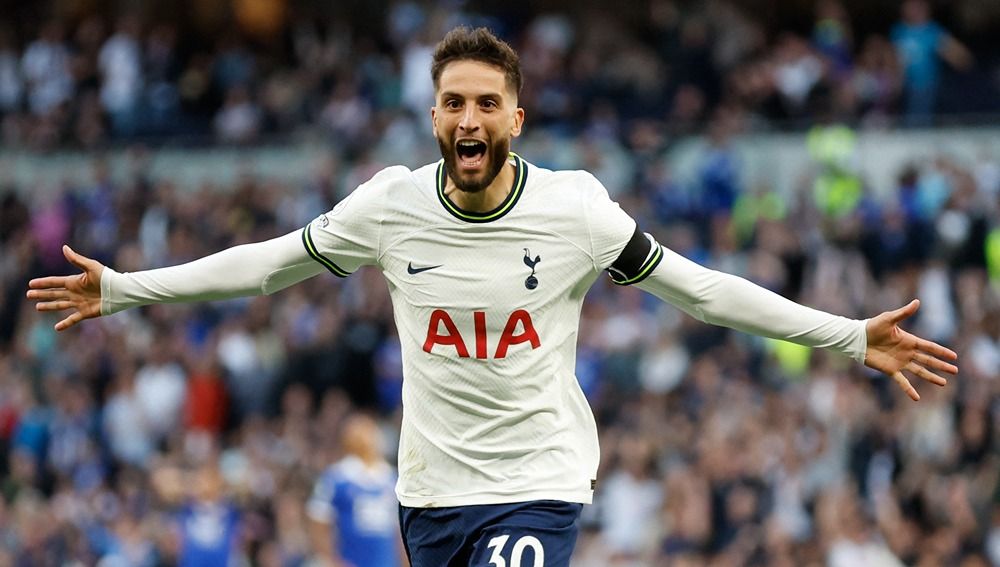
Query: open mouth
x=471, y=153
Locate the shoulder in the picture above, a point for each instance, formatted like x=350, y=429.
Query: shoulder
x=370, y=197
x=399, y=185
x=567, y=182
x=329, y=483
x=389, y=178
x=329, y=478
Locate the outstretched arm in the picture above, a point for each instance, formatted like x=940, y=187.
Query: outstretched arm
x=727, y=300
x=955, y=53
x=249, y=269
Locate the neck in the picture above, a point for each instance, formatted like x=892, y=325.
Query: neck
x=371, y=459
x=487, y=199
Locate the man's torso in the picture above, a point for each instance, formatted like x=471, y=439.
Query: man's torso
x=487, y=308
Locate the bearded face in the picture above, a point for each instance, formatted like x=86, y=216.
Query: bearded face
x=473, y=163
x=475, y=117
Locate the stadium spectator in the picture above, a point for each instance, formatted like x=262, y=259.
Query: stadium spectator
x=160, y=387
x=207, y=523
x=630, y=503
x=833, y=36
x=46, y=67
x=239, y=119
x=11, y=82
x=353, y=510
x=129, y=435
x=120, y=63
x=921, y=42
x=674, y=68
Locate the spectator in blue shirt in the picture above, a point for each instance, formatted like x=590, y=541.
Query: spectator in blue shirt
x=920, y=43
x=208, y=523
x=353, y=509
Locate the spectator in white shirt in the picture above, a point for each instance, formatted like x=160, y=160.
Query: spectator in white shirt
x=120, y=63
x=46, y=69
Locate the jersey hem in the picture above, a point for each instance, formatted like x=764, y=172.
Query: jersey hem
x=579, y=497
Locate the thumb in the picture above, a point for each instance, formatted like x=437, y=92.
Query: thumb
x=903, y=312
x=77, y=260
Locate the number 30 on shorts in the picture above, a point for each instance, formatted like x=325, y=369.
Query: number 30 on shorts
x=498, y=543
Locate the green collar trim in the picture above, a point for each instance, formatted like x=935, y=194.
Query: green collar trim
x=520, y=179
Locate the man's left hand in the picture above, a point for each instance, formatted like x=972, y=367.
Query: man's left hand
x=892, y=350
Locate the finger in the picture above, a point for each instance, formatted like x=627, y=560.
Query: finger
x=82, y=262
x=934, y=363
x=48, y=282
x=926, y=374
x=68, y=322
x=48, y=294
x=936, y=349
x=903, y=312
x=54, y=305
x=906, y=386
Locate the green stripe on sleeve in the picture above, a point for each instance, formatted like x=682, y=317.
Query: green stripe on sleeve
x=646, y=269
x=310, y=246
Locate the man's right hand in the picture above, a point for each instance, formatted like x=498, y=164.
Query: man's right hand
x=80, y=293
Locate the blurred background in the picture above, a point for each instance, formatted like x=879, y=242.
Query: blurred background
x=843, y=153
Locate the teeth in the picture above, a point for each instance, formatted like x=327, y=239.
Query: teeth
x=469, y=143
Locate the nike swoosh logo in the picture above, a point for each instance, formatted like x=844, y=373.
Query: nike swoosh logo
x=412, y=270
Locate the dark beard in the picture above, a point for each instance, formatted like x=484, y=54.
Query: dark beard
x=498, y=157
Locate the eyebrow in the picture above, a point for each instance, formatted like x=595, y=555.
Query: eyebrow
x=451, y=94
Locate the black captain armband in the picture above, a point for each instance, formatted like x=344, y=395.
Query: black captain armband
x=639, y=257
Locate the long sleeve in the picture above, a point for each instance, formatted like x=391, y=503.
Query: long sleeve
x=250, y=269
x=724, y=299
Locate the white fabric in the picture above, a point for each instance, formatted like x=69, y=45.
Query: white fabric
x=727, y=300
x=46, y=68
x=251, y=269
x=160, y=390
x=11, y=82
x=629, y=511
x=872, y=553
x=483, y=428
x=127, y=430
x=120, y=61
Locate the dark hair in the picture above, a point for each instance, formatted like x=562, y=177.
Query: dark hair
x=477, y=44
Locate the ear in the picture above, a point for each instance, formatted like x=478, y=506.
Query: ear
x=434, y=122
x=515, y=130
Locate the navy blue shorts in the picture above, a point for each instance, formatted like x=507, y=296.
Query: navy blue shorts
x=540, y=533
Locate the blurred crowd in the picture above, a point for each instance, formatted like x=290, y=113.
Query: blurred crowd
x=273, y=69
x=717, y=448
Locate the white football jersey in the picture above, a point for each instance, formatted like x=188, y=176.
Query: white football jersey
x=488, y=309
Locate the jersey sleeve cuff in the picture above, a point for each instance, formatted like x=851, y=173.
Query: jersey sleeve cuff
x=106, y=275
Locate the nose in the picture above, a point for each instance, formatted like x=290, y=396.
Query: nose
x=470, y=120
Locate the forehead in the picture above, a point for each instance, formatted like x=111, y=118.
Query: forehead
x=470, y=78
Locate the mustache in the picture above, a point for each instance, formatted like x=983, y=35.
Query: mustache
x=496, y=152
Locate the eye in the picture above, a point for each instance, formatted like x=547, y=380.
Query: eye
x=490, y=104
x=452, y=103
